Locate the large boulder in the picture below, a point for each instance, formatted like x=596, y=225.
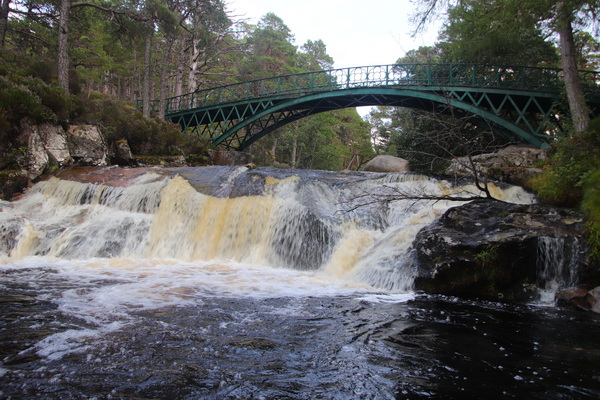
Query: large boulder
x=87, y=146
x=55, y=142
x=45, y=145
x=122, y=154
x=495, y=250
x=48, y=147
x=387, y=164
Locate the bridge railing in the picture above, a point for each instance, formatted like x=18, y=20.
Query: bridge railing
x=394, y=75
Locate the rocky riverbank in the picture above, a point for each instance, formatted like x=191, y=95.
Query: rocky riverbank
x=46, y=148
x=484, y=249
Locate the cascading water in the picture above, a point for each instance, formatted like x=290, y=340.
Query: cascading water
x=231, y=283
x=354, y=227
x=557, y=265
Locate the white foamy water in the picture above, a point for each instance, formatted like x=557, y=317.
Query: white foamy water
x=103, y=253
x=104, y=295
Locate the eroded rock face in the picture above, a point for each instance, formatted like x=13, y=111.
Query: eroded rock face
x=46, y=145
x=495, y=250
x=387, y=164
x=86, y=145
x=55, y=142
x=122, y=154
x=50, y=146
x=513, y=164
x=36, y=159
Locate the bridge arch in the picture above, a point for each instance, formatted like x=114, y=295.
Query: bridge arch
x=522, y=102
x=328, y=101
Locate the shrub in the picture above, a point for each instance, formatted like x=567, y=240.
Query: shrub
x=571, y=162
x=590, y=205
x=145, y=135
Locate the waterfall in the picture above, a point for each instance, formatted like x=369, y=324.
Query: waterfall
x=557, y=262
x=351, y=227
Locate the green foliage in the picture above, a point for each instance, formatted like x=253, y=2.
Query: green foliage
x=333, y=140
x=270, y=51
x=590, y=205
x=498, y=32
x=119, y=120
x=485, y=258
x=572, y=162
x=314, y=57
x=26, y=91
x=573, y=178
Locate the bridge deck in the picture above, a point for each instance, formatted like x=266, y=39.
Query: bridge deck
x=531, y=79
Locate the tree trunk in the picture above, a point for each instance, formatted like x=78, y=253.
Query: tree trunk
x=274, y=150
x=294, y=149
x=580, y=113
x=146, y=84
x=4, y=10
x=63, y=45
x=194, y=54
x=180, y=67
x=163, y=78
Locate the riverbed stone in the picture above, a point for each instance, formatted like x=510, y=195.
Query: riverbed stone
x=385, y=163
x=574, y=297
x=491, y=249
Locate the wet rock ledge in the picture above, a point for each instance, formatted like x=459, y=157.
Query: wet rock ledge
x=498, y=251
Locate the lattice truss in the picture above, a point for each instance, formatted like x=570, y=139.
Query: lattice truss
x=524, y=103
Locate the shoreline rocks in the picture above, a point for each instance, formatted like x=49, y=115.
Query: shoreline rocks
x=514, y=164
x=500, y=251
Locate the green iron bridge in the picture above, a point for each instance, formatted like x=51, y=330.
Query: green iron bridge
x=523, y=103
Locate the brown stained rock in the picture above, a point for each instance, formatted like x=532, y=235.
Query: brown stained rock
x=573, y=298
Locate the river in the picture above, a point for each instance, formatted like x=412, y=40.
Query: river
x=230, y=283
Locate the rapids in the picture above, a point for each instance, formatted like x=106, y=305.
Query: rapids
x=236, y=283
x=355, y=227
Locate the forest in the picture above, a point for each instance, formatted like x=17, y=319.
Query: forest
x=92, y=62
x=99, y=61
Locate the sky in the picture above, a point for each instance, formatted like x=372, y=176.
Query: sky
x=356, y=32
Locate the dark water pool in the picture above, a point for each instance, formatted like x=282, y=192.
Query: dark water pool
x=341, y=347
